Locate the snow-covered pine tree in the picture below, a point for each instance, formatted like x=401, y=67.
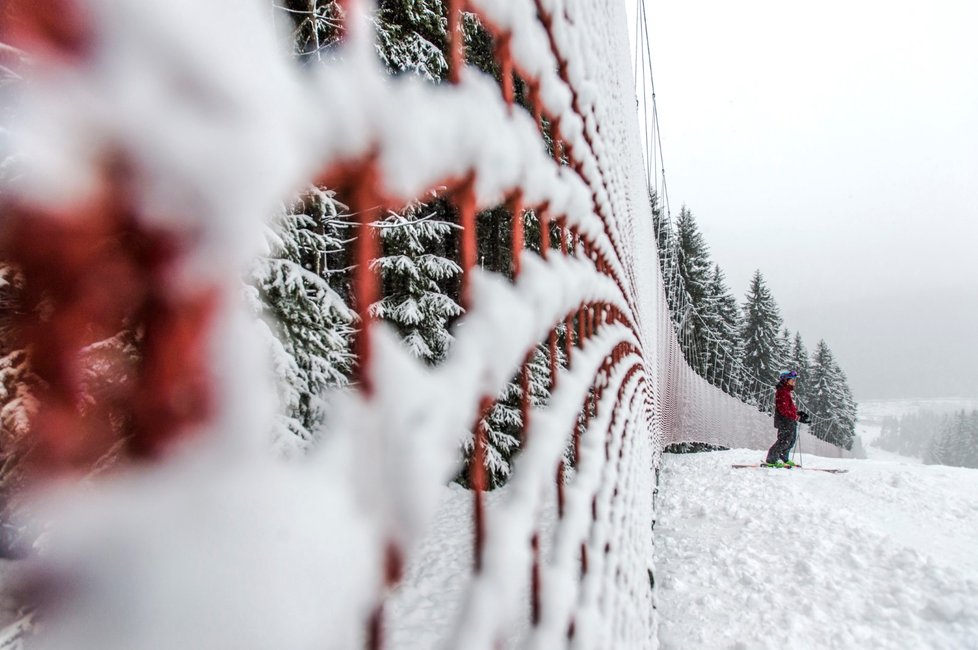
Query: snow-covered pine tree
x=846, y=409
x=412, y=36
x=308, y=324
x=416, y=280
x=493, y=240
x=941, y=450
x=17, y=386
x=659, y=222
x=694, y=266
x=417, y=265
x=969, y=446
x=17, y=383
x=17, y=406
x=314, y=24
x=821, y=401
x=665, y=243
x=911, y=434
x=784, y=349
x=954, y=446
x=799, y=362
x=665, y=238
x=830, y=399
x=759, y=335
x=722, y=323
x=104, y=373
x=504, y=422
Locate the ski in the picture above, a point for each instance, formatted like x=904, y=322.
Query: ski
x=807, y=469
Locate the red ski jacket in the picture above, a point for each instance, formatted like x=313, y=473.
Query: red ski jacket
x=784, y=403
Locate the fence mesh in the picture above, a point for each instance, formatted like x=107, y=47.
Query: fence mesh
x=155, y=151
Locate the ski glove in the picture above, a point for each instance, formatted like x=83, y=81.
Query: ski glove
x=803, y=417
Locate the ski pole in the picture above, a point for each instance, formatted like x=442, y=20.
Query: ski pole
x=798, y=443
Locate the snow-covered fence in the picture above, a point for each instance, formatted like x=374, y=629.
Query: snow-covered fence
x=153, y=150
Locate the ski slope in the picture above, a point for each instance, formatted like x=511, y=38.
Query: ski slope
x=880, y=557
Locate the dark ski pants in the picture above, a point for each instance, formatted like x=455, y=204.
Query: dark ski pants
x=787, y=434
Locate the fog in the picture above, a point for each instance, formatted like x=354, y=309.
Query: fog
x=834, y=147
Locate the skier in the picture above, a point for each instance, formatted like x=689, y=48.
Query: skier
x=786, y=418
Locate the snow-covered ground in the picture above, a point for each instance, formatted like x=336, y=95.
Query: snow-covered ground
x=425, y=606
x=428, y=600
x=880, y=557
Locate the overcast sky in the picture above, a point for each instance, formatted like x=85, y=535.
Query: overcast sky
x=834, y=146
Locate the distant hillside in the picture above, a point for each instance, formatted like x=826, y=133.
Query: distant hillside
x=873, y=412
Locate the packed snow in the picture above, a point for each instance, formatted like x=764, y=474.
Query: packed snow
x=423, y=610
x=882, y=556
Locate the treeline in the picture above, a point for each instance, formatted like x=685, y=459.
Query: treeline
x=937, y=438
x=741, y=348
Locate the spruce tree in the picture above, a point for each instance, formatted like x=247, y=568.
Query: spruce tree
x=941, y=449
x=846, y=410
x=820, y=397
x=798, y=361
x=417, y=266
x=784, y=349
x=721, y=318
x=954, y=446
x=504, y=422
x=308, y=324
x=659, y=223
x=830, y=400
x=412, y=37
x=911, y=434
x=665, y=239
x=18, y=386
x=759, y=334
x=314, y=25
x=969, y=444
x=415, y=279
x=694, y=268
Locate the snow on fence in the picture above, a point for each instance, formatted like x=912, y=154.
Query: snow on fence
x=152, y=151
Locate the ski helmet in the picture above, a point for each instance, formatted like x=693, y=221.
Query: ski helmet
x=785, y=375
